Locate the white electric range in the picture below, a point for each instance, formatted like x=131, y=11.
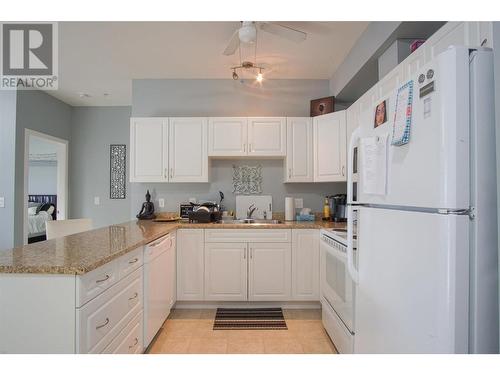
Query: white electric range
x=337, y=289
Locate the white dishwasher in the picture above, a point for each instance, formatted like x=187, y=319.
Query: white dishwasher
x=157, y=284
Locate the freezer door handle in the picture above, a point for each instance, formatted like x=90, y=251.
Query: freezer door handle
x=350, y=163
x=350, y=219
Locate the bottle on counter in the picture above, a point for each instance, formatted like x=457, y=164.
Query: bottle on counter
x=326, y=210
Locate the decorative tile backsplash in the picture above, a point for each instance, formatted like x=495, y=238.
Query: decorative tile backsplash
x=247, y=179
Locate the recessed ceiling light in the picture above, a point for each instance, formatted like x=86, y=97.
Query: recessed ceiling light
x=83, y=95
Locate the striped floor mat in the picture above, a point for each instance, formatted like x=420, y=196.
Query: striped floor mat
x=243, y=319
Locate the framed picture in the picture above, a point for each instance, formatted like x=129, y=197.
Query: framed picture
x=322, y=106
x=380, y=114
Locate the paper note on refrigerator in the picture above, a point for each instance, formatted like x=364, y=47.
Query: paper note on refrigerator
x=373, y=161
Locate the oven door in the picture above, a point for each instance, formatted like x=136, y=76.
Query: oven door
x=336, y=285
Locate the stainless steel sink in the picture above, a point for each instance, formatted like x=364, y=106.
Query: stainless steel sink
x=251, y=221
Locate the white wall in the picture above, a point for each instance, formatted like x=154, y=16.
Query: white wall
x=42, y=178
x=42, y=175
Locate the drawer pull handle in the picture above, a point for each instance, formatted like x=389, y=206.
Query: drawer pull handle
x=104, y=324
x=134, y=297
x=102, y=280
x=136, y=341
x=135, y=260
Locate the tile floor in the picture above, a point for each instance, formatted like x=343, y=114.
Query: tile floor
x=190, y=332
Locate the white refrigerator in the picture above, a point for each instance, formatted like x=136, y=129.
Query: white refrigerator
x=427, y=273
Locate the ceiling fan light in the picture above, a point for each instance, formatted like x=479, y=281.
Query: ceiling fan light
x=247, y=33
x=235, y=75
x=259, y=77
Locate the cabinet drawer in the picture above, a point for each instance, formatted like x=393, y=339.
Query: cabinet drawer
x=129, y=340
x=95, y=282
x=129, y=262
x=100, y=320
x=248, y=235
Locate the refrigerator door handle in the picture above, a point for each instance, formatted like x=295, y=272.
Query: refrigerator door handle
x=353, y=272
x=350, y=219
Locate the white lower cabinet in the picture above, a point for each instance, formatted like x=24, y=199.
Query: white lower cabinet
x=269, y=271
x=226, y=271
x=305, y=265
x=103, y=318
x=129, y=340
x=190, y=265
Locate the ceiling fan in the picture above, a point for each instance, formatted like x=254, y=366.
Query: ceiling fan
x=247, y=33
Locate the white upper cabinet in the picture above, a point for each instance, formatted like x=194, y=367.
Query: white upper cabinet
x=299, y=150
x=149, y=149
x=188, y=155
x=242, y=136
x=227, y=136
x=267, y=136
x=330, y=147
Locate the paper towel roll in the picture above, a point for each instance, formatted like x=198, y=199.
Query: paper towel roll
x=289, y=209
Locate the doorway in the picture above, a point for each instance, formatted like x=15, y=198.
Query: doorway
x=45, y=183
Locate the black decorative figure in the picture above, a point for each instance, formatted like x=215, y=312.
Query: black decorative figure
x=147, y=210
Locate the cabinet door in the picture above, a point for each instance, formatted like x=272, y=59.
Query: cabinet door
x=148, y=149
x=269, y=271
x=299, y=150
x=305, y=264
x=188, y=155
x=266, y=136
x=227, y=136
x=190, y=266
x=330, y=147
x=226, y=271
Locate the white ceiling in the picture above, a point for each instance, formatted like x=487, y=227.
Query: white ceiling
x=103, y=57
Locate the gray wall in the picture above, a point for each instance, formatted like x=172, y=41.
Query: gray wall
x=7, y=166
x=93, y=130
x=221, y=179
x=42, y=178
x=496, y=54
x=163, y=97
x=224, y=97
x=38, y=111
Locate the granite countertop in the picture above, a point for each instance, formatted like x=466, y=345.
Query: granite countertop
x=80, y=253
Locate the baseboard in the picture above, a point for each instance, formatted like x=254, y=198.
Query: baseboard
x=231, y=304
